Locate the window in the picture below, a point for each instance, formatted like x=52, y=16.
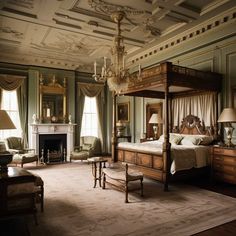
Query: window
x=9, y=103
x=90, y=119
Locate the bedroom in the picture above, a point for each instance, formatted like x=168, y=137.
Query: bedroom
x=206, y=43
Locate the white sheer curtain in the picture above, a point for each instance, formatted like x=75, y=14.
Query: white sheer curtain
x=203, y=106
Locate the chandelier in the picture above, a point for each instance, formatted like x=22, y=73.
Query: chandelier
x=115, y=74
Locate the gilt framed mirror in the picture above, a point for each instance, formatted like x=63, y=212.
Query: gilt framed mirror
x=52, y=100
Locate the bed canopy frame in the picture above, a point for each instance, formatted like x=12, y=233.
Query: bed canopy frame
x=167, y=81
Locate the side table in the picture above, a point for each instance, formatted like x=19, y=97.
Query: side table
x=97, y=169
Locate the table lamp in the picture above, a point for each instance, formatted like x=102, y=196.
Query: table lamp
x=155, y=120
x=5, y=123
x=228, y=116
x=120, y=126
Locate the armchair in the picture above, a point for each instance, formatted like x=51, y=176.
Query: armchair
x=89, y=146
x=21, y=155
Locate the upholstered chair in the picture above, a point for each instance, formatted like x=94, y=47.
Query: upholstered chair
x=89, y=146
x=21, y=155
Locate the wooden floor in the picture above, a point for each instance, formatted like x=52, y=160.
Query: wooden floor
x=228, y=229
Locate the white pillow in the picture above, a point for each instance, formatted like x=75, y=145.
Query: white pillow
x=190, y=140
x=174, y=138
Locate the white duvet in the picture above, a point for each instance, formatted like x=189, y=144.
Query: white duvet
x=183, y=157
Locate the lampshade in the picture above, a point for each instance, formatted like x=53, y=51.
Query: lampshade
x=228, y=115
x=119, y=123
x=5, y=121
x=155, y=119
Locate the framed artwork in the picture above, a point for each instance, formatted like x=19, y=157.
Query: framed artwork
x=123, y=112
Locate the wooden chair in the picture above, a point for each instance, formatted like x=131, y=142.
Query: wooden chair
x=119, y=177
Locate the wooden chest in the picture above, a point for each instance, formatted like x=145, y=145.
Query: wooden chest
x=224, y=164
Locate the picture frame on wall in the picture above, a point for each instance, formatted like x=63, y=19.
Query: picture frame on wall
x=123, y=113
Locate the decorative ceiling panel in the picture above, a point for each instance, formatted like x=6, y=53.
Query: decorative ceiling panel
x=72, y=34
x=12, y=30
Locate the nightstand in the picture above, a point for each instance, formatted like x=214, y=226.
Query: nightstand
x=224, y=164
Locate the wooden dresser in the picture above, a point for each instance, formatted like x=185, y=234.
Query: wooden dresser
x=224, y=164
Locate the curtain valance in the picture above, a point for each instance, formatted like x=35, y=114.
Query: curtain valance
x=11, y=82
x=90, y=89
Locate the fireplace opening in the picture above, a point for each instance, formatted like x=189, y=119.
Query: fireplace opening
x=52, y=147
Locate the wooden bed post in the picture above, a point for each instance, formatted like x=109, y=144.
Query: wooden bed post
x=166, y=144
x=216, y=127
x=114, y=138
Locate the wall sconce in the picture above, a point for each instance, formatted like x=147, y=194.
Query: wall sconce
x=228, y=116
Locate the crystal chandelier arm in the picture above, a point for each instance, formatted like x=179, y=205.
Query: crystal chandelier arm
x=95, y=68
x=105, y=63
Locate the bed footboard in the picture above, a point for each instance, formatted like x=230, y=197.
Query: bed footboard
x=150, y=164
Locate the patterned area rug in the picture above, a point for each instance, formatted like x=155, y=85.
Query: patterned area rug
x=74, y=208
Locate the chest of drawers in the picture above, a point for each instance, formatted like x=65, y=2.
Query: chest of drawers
x=224, y=164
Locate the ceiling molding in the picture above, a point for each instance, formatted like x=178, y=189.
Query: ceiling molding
x=194, y=33
x=72, y=34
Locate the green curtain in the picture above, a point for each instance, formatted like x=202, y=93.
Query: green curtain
x=22, y=95
x=80, y=107
x=91, y=90
x=18, y=83
x=101, y=118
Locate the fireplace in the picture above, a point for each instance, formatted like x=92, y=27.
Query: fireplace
x=52, y=147
x=52, y=130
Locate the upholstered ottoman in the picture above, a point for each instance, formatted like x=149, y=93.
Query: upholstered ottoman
x=81, y=155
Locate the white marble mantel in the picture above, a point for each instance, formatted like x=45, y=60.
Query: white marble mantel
x=52, y=128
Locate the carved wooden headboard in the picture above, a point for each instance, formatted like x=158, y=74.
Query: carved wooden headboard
x=192, y=125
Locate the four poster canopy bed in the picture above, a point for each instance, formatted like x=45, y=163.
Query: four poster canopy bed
x=190, y=99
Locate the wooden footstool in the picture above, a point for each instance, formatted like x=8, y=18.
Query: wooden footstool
x=120, y=176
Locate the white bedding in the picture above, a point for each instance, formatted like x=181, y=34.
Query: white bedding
x=183, y=157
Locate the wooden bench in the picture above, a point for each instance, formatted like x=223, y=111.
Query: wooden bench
x=119, y=176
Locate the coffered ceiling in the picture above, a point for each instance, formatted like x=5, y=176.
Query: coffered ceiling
x=72, y=34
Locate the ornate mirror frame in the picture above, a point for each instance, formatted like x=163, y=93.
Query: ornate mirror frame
x=53, y=90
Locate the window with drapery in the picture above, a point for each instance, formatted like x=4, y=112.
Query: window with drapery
x=89, y=125
x=10, y=104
